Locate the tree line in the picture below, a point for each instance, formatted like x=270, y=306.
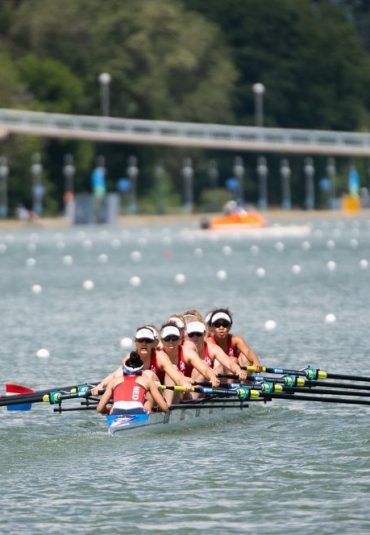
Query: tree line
x=183, y=60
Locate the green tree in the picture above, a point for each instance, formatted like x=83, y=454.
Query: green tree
x=307, y=54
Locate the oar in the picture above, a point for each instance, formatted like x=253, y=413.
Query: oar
x=242, y=392
x=49, y=395
x=310, y=373
x=302, y=397
x=13, y=389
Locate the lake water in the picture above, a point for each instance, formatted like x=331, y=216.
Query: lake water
x=286, y=467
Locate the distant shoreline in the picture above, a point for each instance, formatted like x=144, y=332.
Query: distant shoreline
x=283, y=217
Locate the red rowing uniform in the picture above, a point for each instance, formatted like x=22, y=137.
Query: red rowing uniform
x=207, y=358
x=231, y=351
x=183, y=366
x=129, y=390
x=154, y=367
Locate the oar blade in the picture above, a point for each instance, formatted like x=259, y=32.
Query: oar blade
x=23, y=407
x=13, y=389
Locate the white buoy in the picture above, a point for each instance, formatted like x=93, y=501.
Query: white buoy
x=306, y=246
x=221, y=275
x=226, y=250
x=279, y=246
x=198, y=252
x=180, y=278
x=126, y=343
x=32, y=247
x=270, y=325
x=353, y=243
x=36, y=289
x=88, y=285
x=331, y=265
x=296, y=269
x=30, y=262
x=3, y=248
x=330, y=318
x=167, y=240
x=67, y=260
x=60, y=245
x=115, y=244
x=135, y=281
x=254, y=249
x=43, y=353
x=261, y=272
x=142, y=241
x=87, y=244
x=135, y=256
x=364, y=264
x=103, y=258
x=330, y=244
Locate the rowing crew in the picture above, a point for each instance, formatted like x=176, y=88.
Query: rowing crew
x=186, y=350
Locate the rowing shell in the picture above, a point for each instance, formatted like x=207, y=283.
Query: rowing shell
x=180, y=416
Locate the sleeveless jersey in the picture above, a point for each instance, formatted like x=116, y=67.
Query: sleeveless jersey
x=182, y=365
x=128, y=394
x=231, y=351
x=154, y=367
x=207, y=358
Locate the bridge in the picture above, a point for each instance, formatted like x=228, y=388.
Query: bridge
x=182, y=134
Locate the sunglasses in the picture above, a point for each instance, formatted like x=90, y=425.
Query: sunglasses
x=144, y=340
x=171, y=338
x=221, y=323
x=191, y=335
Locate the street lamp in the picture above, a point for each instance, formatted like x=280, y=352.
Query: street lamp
x=132, y=173
x=262, y=172
x=160, y=188
x=38, y=189
x=331, y=170
x=69, y=173
x=285, y=174
x=188, y=173
x=104, y=80
x=4, y=172
x=258, y=90
x=309, y=172
x=213, y=174
x=238, y=170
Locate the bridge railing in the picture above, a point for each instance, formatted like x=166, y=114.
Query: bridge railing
x=181, y=133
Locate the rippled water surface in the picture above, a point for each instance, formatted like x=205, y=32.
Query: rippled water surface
x=289, y=466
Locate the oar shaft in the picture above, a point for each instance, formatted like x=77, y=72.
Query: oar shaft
x=39, y=395
x=348, y=377
x=302, y=397
x=320, y=391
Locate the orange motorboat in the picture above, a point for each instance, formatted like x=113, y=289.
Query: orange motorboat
x=236, y=220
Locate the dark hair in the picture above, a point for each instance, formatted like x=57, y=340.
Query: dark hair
x=134, y=361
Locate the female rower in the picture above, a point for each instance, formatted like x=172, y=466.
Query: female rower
x=153, y=359
x=183, y=358
x=129, y=391
x=211, y=353
x=233, y=345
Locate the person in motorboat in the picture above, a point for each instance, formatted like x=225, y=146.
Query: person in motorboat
x=129, y=391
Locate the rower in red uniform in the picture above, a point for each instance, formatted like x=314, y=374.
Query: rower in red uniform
x=153, y=359
x=220, y=322
x=129, y=391
x=210, y=353
x=183, y=358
